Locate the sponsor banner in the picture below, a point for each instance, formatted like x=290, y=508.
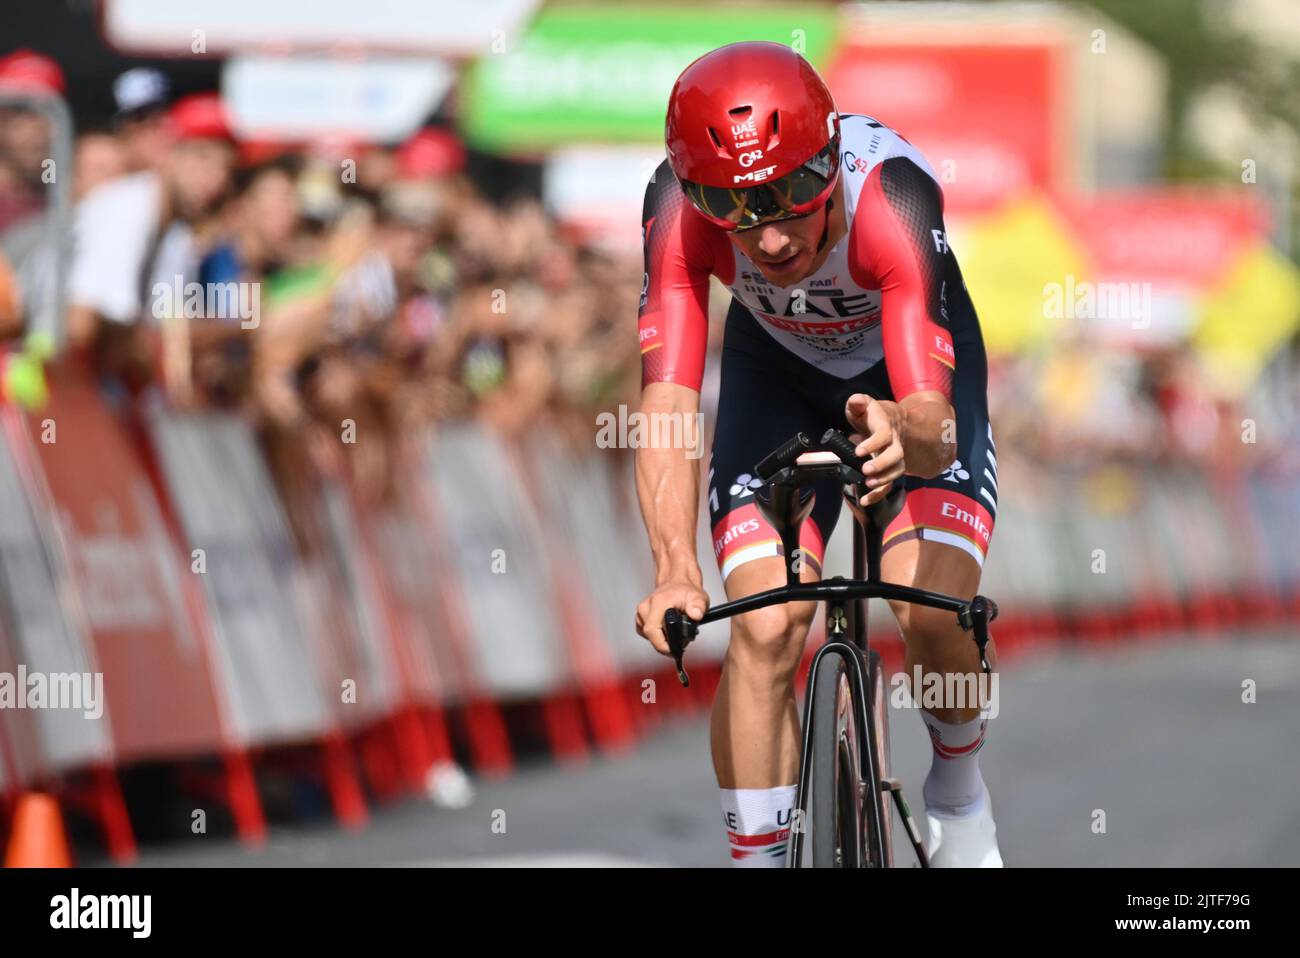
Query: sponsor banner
x=341, y=611
x=595, y=533
x=1135, y=269
x=40, y=629
x=499, y=562
x=1180, y=236
x=1155, y=258
x=985, y=115
x=126, y=572
x=238, y=545
x=418, y=27
x=381, y=99
x=356, y=608
x=601, y=73
x=1119, y=537
x=432, y=649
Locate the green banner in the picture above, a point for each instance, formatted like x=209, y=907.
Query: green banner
x=602, y=74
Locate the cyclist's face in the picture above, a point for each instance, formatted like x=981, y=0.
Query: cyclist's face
x=783, y=251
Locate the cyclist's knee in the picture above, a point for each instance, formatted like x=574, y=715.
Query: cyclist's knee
x=923, y=627
x=772, y=638
x=928, y=632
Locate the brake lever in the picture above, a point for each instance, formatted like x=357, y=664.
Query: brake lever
x=976, y=617
x=679, y=631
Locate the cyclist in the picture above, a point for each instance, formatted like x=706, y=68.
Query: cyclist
x=847, y=303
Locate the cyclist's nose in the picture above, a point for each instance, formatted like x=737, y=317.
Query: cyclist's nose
x=772, y=241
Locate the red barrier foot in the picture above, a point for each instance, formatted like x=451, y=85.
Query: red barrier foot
x=241, y=794
x=489, y=742
x=344, y=786
x=110, y=808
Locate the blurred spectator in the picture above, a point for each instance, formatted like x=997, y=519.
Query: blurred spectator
x=142, y=95
x=138, y=232
x=253, y=239
x=99, y=158
x=25, y=134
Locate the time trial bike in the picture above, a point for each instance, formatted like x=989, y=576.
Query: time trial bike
x=843, y=817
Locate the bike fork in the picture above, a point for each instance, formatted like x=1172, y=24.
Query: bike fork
x=895, y=788
x=871, y=558
x=836, y=644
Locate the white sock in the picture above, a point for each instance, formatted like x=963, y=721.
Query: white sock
x=954, y=786
x=758, y=824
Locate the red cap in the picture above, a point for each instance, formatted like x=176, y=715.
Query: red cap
x=256, y=152
x=747, y=112
x=430, y=154
x=29, y=70
x=199, y=116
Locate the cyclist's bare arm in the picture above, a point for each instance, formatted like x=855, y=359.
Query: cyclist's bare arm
x=673, y=333
x=668, y=488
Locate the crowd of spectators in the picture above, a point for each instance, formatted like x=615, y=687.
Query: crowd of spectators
x=348, y=294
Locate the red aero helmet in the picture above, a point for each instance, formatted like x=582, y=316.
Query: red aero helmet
x=753, y=135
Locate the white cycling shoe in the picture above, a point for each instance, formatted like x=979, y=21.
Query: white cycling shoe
x=968, y=841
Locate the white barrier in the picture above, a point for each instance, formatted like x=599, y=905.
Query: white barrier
x=267, y=665
x=593, y=534
x=495, y=551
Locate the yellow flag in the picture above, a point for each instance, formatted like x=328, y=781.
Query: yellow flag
x=1016, y=262
x=1246, y=318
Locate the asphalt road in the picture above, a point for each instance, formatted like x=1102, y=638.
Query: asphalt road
x=1154, y=735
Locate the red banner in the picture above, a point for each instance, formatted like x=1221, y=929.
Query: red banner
x=986, y=117
x=127, y=570
x=1167, y=236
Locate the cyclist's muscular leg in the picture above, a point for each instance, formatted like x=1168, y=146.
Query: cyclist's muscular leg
x=935, y=641
x=958, y=813
x=755, y=732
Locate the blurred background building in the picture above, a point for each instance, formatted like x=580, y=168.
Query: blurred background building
x=308, y=318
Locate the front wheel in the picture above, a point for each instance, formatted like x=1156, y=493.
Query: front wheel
x=881, y=848
x=835, y=805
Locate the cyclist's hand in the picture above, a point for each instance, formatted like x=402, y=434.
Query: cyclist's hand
x=881, y=423
x=686, y=596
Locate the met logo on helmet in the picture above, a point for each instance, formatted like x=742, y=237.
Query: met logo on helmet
x=753, y=176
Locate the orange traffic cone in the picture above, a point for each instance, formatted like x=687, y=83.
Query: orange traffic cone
x=38, y=839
